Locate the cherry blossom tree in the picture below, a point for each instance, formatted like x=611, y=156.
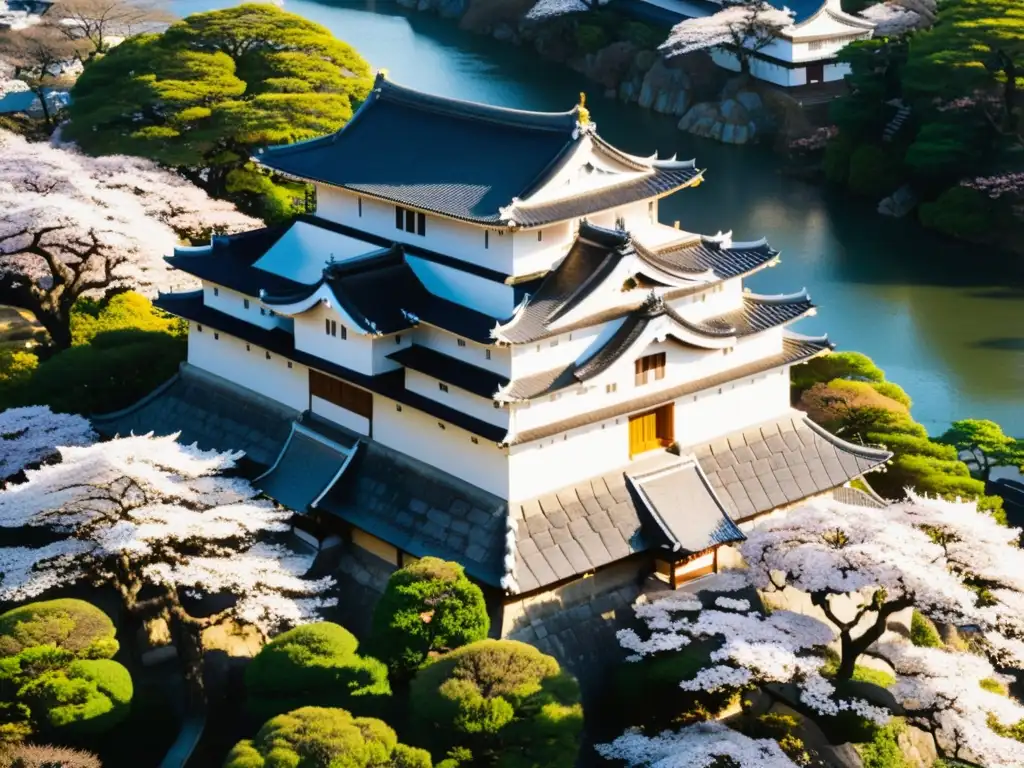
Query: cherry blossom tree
x=1008, y=184
x=31, y=435
x=45, y=60
x=703, y=745
x=743, y=26
x=549, y=9
x=893, y=19
x=146, y=513
x=75, y=225
x=859, y=566
x=101, y=24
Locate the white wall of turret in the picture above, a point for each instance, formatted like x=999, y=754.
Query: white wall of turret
x=618, y=384
x=448, y=394
x=239, y=305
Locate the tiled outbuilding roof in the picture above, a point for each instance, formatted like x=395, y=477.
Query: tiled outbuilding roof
x=691, y=503
x=781, y=462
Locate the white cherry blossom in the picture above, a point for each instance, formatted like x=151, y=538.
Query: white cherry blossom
x=31, y=435
x=696, y=746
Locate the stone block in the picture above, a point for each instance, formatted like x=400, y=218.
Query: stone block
x=476, y=552
x=460, y=526
x=441, y=518
x=478, y=517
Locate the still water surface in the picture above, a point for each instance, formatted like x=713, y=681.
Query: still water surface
x=946, y=321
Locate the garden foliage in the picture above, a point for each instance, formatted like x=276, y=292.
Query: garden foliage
x=428, y=607
x=314, y=665
x=502, y=703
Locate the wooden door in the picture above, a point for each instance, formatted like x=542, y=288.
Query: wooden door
x=643, y=433
x=815, y=72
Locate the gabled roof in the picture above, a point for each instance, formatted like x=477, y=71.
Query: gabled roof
x=377, y=289
x=795, y=349
x=468, y=161
x=758, y=313
x=593, y=257
x=683, y=505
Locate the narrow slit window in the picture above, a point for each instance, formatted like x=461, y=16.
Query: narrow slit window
x=421, y=224
x=359, y=203
x=327, y=326
x=540, y=235
x=487, y=239
x=216, y=336
x=245, y=303
x=461, y=342
x=216, y=291
x=344, y=333
x=398, y=338
x=268, y=355
x=399, y=217
x=487, y=354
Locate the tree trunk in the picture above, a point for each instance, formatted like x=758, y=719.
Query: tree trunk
x=852, y=648
x=54, y=314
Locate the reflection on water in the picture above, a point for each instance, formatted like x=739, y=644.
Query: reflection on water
x=941, y=318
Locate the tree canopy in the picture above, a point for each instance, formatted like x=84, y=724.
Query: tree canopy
x=202, y=95
x=314, y=665
x=318, y=737
x=76, y=226
x=33, y=434
x=988, y=445
x=860, y=566
x=500, y=703
x=56, y=673
x=427, y=607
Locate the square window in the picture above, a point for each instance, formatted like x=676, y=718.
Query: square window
x=216, y=336
x=487, y=354
x=609, y=388
x=442, y=386
x=199, y=328
x=645, y=365
x=461, y=342
x=472, y=439
x=263, y=311
x=496, y=404
x=398, y=338
x=440, y=425
x=398, y=407
x=216, y=291
x=344, y=333
x=245, y=303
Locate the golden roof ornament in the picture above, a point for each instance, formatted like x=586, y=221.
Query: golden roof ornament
x=582, y=111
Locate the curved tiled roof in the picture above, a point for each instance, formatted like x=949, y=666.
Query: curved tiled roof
x=718, y=254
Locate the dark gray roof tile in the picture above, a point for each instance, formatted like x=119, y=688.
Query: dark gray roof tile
x=576, y=556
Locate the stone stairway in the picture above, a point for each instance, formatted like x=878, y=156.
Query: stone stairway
x=894, y=125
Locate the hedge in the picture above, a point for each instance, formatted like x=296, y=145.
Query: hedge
x=73, y=625
x=314, y=665
x=502, y=701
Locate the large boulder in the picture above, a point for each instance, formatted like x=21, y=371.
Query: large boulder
x=611, y=65
x=899, y=203
x=665, y=88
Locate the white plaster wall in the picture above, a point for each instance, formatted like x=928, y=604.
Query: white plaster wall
x=761, y=69
x=346, y=418
x=452, y=238
x=459, y=399
x=382, y=346
x=703, y=417
x=500, y=360
x=555, y=462
x=227, y=357
x=822, y=49
x=451, y=449
x=717, y=300
x=682, y=364
x=483, y=295
x=355, y=352
x=560, y=350
x=532, y=255
x=233, y=303
x=635, y=214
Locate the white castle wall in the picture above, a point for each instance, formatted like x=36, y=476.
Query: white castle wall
x=228, y=357
x=233, y=303
x=346, y=418
x=500, y=359
x=451, y=449
x=734, y=406
x=459, y=399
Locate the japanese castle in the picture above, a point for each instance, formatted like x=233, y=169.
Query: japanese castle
x=497, y=355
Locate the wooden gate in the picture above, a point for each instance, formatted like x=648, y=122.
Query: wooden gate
x=651, y=430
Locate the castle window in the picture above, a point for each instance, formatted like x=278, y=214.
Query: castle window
x=263, y=311
x=344, y=333
x=650, y=364
x=815, y=45
x=650, y=211
x=540, y=235
x=412, y=222
x=248, y=348
x=268, y=355
x=289, y=363
x=487, y=239
x=398, y=338
x=199, y=328
x=359, y=204
x=728, y=350
x=472, y=439
x=216, y=336
x=442, y=386
x=555, y=397
x=398, y=407
x=245, y=303
x=487, y=354
x=216, y=291
x=461, y=342
x=609, y=388
x=497, y=404
x=440, y=425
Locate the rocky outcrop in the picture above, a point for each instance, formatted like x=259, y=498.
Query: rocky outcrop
x=666, y=89
x=739, y=117
x=899, y=203
x=609, y=66
x=918, y=747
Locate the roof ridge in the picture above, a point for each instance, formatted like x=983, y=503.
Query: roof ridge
x=864, y=451
x=778, y=298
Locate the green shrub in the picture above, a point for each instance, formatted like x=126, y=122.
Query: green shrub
x=883, y=751
x=992, y=685
x=76, y=626
x=590, y=38
x=893, y=391
x=314, y=665
x=923, y=632
x=836, y=365
x=861, y=674
x=17, y=367
x=124, y=311
x=873, y=172
x=504, y=701
x=427, y=607
x=836, y=163
x=319, y=737
x=643, y=36
x=781, y=728
x=959, y=212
